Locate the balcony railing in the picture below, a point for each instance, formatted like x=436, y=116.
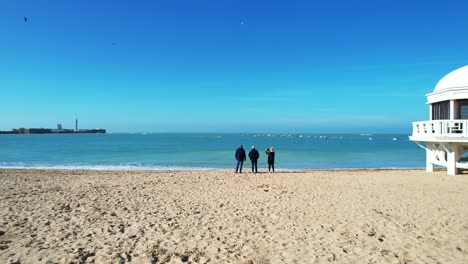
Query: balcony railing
x=441, y=128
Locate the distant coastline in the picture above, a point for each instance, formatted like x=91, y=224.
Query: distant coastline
x=58, y=130
x=53, y=131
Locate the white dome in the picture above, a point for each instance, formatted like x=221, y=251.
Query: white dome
x=456, y=79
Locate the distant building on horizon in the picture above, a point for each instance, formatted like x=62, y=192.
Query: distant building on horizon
x=446, y=133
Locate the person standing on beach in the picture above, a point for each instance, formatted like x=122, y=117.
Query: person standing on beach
x=240, y=157
x=271, y=158
x=254, y=155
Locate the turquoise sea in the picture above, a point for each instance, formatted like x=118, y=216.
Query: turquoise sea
x=162, y=151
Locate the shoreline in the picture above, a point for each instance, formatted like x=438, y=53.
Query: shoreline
x=216, y=216
x=246, y=169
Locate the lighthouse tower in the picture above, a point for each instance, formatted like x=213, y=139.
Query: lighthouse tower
x=445, y=135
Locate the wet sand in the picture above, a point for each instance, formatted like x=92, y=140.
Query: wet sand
x=362, y=216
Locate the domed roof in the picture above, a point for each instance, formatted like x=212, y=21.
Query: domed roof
x=456, y=79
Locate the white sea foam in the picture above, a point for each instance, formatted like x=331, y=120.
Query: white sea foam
x=101, y=167
x=173, y=168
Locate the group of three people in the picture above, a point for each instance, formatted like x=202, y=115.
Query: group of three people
x=254, y=156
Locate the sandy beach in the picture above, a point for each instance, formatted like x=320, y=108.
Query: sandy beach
x=362, y=216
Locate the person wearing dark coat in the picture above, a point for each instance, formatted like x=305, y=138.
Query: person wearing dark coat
x=271, y=158
x=254, y=155
x=240, y=157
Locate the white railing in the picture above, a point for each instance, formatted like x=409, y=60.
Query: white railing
x=441, y=128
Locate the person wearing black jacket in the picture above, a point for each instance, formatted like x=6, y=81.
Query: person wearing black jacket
x=271, y=158
x=254, y=155
x=240, y=157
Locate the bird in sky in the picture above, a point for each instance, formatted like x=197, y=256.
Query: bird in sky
x=242, y=22
x=25, y=19
x=114, y=43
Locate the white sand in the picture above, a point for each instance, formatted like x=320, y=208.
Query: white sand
x=388, y=216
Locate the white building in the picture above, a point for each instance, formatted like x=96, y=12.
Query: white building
x=446, y=133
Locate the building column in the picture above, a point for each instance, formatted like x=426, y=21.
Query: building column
x=429, y=156
x=452, y=109
x=452, y=158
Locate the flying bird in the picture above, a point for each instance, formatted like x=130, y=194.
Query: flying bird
x=114, y=43
x=242, y=22
x=25, y=19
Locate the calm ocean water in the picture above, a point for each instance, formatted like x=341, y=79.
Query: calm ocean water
x=204, y=151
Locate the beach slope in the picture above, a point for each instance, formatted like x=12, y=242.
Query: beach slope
x=361, y=216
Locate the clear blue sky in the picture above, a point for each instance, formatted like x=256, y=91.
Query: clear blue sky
x=192, y=66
